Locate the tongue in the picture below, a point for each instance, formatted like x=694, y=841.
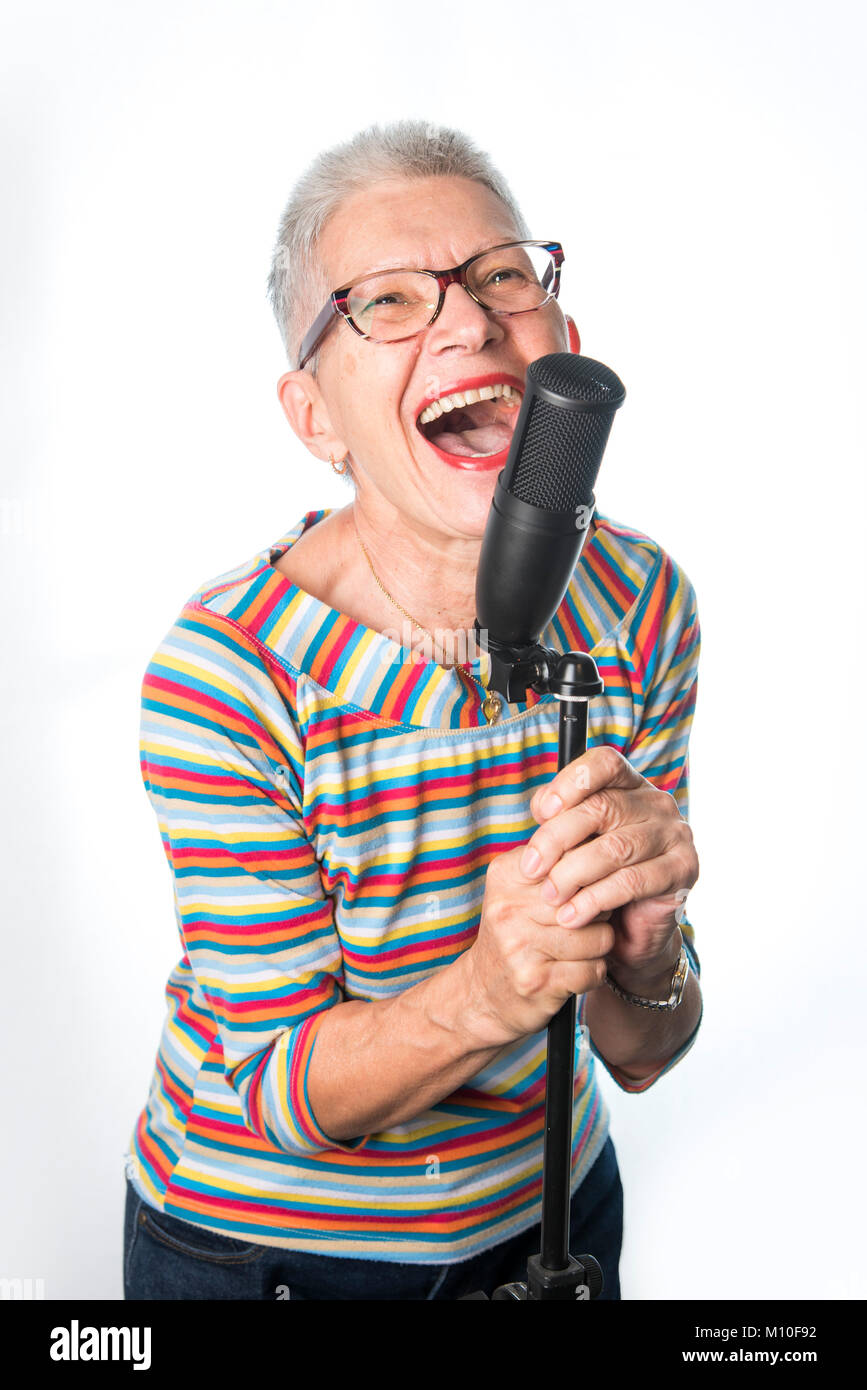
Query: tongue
x=484, y=439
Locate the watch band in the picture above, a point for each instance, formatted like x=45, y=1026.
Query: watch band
x=678, y=985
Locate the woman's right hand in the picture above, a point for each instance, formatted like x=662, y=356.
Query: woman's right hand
x=523, y=964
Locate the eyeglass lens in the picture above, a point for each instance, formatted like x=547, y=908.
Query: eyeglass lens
x=394, y=304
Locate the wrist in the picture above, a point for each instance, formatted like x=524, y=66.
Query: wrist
x=651, y=979
x=478, y=1029
x=483, y=1030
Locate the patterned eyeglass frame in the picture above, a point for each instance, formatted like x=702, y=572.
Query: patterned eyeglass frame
x=338, y=302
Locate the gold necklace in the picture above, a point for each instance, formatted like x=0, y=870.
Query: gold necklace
x=492, y=705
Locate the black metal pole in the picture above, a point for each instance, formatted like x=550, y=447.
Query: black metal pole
x=554, y=1273
x=557, y=1153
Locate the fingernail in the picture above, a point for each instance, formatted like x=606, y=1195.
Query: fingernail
x=551, y=804
x=549, y=891
x=567, y=914
x=531, y=861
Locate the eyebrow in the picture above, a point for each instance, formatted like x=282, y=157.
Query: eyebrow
x=391, y=265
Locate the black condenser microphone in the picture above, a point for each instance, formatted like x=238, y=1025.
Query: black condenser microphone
x=544, y=499
x=540, y=514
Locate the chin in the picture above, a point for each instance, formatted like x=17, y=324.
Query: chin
x=463, y=501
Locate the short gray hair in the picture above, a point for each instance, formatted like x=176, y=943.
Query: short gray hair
x=403, y=149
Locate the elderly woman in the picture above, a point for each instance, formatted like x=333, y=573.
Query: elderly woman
x=384, y=888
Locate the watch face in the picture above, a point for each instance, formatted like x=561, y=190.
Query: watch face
x=678, y=984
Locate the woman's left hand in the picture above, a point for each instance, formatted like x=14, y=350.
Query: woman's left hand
x=616, y=844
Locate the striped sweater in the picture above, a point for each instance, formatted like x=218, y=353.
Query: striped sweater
x=328, y=805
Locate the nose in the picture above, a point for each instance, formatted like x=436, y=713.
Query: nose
x=462, y=324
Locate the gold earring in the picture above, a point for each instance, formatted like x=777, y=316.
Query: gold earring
x=337, y=470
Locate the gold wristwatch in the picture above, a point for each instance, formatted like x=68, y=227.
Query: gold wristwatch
x=678, y=985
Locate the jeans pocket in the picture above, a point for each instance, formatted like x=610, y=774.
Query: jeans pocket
x=196, y=1241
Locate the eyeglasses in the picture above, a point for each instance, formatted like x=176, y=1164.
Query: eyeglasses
x=395, y=304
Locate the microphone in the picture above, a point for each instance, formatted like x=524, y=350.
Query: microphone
x=540, y=515
x=543, y=502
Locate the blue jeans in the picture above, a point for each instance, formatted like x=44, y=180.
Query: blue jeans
x=168, y=1258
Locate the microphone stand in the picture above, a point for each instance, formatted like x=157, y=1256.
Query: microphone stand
x=553, y=1274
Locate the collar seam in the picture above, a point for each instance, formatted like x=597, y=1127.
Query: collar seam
x=297, y=673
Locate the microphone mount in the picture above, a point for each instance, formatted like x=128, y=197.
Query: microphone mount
x=519, y=667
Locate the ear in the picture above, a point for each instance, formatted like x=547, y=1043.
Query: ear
x=574, y=335
x=307, y=413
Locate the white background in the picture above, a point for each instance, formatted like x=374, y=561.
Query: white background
x=703, y=165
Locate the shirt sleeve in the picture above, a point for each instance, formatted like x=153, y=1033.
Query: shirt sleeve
x=660, y=644
x=222, y=764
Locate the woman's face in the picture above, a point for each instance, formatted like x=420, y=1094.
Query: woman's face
x=373, y=393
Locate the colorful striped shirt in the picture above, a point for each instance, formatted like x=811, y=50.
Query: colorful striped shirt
x=329, y=803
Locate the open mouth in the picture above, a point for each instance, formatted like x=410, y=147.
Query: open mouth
x=473, y=424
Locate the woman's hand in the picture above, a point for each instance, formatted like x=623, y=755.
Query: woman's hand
x=618, y=853
x=523, y=965
x=616, y=844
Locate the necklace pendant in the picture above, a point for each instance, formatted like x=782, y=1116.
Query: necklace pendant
x=492, y=708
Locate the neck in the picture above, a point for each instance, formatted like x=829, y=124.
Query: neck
x=430, y=575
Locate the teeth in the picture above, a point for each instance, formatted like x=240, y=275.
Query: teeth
x=511, y=397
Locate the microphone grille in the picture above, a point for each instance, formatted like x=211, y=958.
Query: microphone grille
x=577, y=379
x=561, y=444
